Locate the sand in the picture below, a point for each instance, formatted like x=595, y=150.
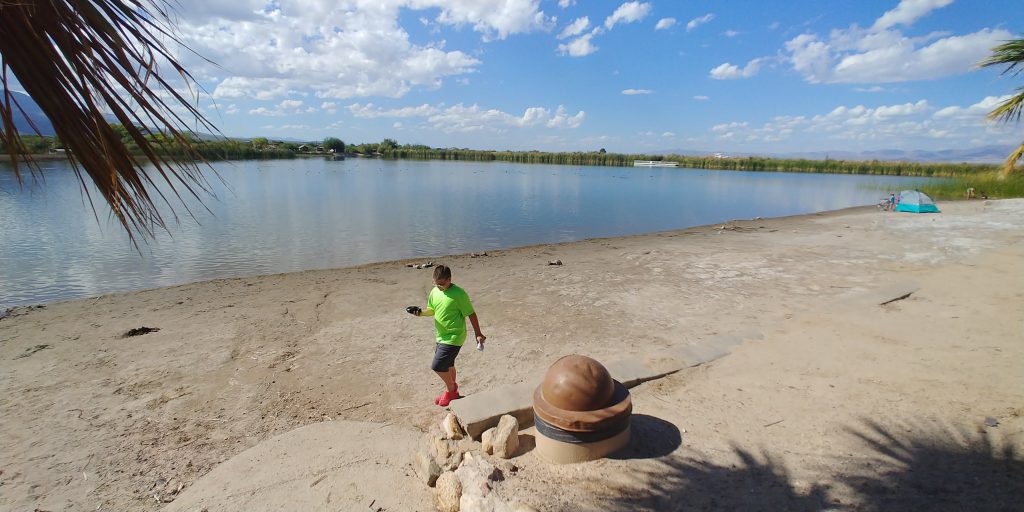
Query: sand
x=841, y=404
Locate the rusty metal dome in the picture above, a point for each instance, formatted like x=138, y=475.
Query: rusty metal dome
x=578, y=383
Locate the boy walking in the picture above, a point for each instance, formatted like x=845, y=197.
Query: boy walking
x=449, y=305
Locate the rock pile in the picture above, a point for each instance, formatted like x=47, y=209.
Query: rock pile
x=463, y=478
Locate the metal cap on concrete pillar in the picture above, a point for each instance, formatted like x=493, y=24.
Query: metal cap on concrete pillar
x=580, y=412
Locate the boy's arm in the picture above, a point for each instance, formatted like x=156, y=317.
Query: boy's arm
x=476, y=328
x=426, y=312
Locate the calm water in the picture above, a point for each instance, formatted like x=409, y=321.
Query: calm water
x=289, y=215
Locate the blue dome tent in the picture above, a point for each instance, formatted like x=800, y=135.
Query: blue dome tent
x=915, y=201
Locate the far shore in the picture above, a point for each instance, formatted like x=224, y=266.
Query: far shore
x=836, y=403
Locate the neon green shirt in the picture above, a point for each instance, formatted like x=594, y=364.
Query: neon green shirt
x=451, y=307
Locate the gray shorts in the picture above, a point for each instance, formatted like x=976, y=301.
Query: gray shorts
x=444, y=357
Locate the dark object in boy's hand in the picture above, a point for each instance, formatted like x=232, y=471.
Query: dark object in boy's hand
x=413, y=310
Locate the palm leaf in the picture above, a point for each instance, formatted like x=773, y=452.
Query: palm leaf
x=1010, y=109
x=80, y=58
x=1010, y=53
x=1011, y=162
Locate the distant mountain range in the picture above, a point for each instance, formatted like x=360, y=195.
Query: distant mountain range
x=977, y=155
x=983, y=154
x=33, y=112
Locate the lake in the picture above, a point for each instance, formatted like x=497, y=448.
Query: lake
x=288, y=215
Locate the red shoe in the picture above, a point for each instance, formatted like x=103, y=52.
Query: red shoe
x=447, y=397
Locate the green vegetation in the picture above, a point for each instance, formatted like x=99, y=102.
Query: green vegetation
x=334, y=144
x=33, y=145
x=986, y=184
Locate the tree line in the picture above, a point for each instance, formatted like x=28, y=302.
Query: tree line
x=264, y=148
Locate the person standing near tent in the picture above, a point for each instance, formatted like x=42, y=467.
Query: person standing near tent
x=449, y=304
x=892, y=201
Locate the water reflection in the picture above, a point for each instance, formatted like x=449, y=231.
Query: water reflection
x=289, y=215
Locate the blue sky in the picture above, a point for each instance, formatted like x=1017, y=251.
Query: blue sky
x=565, y=75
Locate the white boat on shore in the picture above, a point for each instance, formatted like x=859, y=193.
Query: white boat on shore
x=654, y=163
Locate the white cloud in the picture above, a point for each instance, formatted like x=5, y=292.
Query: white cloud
x=730, y=33
x=566, y=3
x=668, y=135
x=231, y=109
x=329, y=106
x=263, y=111
x=397, y=125
x=907, y=12
x=628, y=13
x=290, y=104
x=489, y=17
x=873, y=88
x=634, y=92
x=575, y=28
x=726, y=127
x=462, y=118
x=579, y=47
x=883, y=54
x=973, y=112
x=338, y=49
x=701, y=98
x=696, y=22
x=665, y=23
x=369, y=111
x=562, y=119
x=728, y=71
x=907, y=125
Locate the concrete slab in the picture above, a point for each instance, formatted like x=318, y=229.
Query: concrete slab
x=707, y=350
x=885, y=294
x=481, y=411
x=631, y=371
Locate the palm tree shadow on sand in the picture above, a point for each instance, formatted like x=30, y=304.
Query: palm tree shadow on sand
x=755, y=483
x=930, y=466
x=918, y=466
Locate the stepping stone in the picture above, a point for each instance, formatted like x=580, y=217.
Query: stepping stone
x=481, y=411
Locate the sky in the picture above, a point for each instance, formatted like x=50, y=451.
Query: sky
x=573, y=75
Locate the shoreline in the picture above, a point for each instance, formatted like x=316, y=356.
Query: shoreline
x=403, y=262
x=238, y=361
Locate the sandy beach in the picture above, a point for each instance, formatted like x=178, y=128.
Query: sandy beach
x=835, y=404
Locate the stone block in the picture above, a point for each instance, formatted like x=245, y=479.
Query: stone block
x=426, y=468
x=505, y=440
x=486, y=439
x=481, y=411
x=447, y=493
x=451, y=427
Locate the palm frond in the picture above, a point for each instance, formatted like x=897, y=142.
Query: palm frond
x=80, y=58
x=1011, y=162
x=1009, y=110
x=1010, y=53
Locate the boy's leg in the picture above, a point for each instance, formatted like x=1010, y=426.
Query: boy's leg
x=444, y=367
x=449, y=379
